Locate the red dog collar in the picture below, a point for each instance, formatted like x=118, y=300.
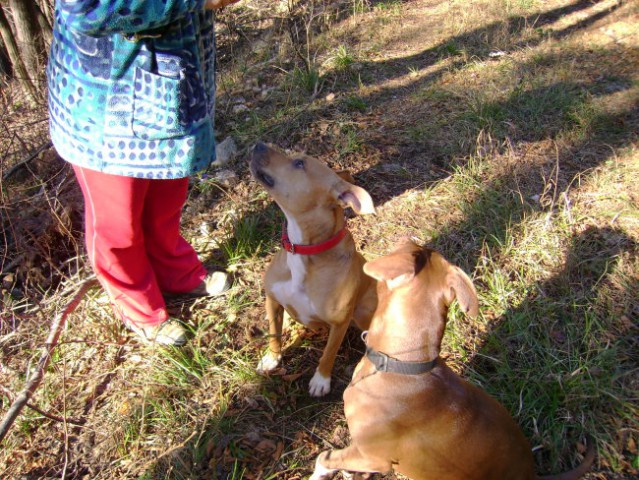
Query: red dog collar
x=314, y=248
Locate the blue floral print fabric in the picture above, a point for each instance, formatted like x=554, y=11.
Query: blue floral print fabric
x=132, y=86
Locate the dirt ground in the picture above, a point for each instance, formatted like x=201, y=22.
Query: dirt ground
x=419, y=101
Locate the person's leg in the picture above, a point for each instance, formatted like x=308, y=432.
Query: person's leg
x=176, y=265
x=174, y=261
x=116, y=248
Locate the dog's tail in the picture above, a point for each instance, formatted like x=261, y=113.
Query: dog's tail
x=581, y=469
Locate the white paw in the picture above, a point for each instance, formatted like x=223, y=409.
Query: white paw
x=320, y=472
x=269, y=362
x=319, y=385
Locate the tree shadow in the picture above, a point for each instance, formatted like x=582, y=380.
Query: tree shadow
x=561, y=111
x=406, y=136
x=530, y=114
x=421, y=139
x=571, y=340
x=523, y=180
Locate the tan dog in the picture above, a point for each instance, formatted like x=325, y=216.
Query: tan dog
x=318, y=277
x=407, y=410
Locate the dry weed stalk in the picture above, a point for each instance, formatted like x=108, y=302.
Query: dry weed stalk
x=52, y=341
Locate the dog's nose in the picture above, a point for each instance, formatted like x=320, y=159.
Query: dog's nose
x=260, y=148
x=260, y=154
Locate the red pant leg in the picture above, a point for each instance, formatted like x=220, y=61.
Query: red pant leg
x=114, y=207
x=174, y=261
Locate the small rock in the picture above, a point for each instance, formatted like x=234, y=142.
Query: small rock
x=225, y=152
x=240, y=108
x=8, y=280
x=226, y=178
x=205, y=228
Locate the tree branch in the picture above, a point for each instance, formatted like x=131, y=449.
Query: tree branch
x=48, y=415
x=26, y=160
x=52, y=340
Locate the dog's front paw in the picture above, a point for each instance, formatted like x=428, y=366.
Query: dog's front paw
x=270, y=361
x=321, y=472
x=319, y=385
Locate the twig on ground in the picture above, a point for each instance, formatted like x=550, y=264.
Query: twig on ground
x=26, y=160
x=50, y=416
x=54, y=334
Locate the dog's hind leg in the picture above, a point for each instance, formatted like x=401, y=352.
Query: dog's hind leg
x=365, y=309
x=350, y=459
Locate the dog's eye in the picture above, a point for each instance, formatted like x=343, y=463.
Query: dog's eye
x=299, y=163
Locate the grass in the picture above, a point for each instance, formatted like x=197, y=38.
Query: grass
x=520, y=167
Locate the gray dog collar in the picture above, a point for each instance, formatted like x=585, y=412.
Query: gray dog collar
x=384, y=363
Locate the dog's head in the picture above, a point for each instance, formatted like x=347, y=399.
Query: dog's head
x=416, y=285
x=301, y=183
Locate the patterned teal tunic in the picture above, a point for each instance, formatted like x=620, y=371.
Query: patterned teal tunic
x=132, y=86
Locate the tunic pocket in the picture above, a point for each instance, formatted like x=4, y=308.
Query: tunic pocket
x=158, y=105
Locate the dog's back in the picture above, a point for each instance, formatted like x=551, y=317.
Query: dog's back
x=406, y=409
x=435, y=426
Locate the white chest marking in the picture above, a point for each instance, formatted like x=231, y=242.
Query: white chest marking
x=292, y=292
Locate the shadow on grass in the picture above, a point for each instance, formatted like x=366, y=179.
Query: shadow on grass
x=529, y=114
x=564, y=111
x=428, y=128
x=477, y=44
x=564, y=360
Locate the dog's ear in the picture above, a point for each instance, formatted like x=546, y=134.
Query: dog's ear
x=349, y=195
x=396, y=269
x=462, y=288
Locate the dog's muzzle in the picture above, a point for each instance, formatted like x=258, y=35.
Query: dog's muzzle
x=264, y=178
x=259, y=158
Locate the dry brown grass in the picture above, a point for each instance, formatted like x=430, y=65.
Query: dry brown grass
x=504, y=134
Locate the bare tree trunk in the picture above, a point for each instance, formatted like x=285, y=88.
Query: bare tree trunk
x=29, y=37
x=19, y=70
x=5, y=66
x=47, y=8
x=45, y=26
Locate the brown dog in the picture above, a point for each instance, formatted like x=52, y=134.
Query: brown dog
x=318, y=277
x=407, y=410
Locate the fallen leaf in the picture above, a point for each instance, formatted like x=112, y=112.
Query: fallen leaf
x=292, y=377
x=266, y=445
x=278, y=451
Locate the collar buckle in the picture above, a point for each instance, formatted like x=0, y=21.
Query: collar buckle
x=382, y=362
x=379, y=359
